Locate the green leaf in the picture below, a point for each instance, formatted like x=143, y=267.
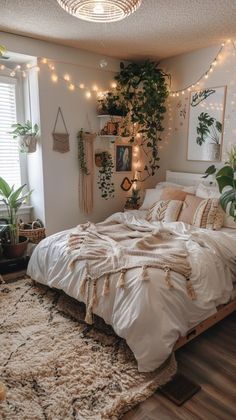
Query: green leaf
x=5, y=189
x=210, y=171
x=229, y=198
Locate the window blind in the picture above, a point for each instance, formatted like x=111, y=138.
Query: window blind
x=9, y=153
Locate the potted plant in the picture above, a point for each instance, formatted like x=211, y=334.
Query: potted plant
x=110, y=104
x=27, y=134
x=226, y=181
x=14, y=245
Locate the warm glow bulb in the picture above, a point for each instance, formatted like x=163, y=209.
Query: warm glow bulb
x=206, y=76
x=88, y=94
x=67, y=77
x=24, y=74
x=183, y=92
x=114, y=85
x=13, y=73
x=81, y=86
x=37, y=68
x=2, y=67
x=18, y=67
x=44, y=61
x=51, y=66
x=54, y=77
x=28, y=66
x=71, y=86
x=214, y=63
x=95, y=88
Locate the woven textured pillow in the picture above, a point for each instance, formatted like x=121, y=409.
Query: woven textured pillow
x=165, y=211
x=202, y=213
x=173, y=194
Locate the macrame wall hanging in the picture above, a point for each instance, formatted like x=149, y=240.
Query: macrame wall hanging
x=60, y=140
x=85, y=145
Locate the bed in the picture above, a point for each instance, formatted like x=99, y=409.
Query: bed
x=153, y=319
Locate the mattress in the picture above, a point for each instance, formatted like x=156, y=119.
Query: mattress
x=149, y=318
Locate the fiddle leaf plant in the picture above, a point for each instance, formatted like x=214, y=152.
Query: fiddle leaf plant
x=226, y=181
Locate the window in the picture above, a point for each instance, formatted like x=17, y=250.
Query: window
x=9, y=153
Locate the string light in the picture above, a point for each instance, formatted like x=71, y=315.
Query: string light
x=206, y=73
x=113, y=85
x=44, y=61
x=67, y=77
x=13, y=73
x=81, y=86
x=54, y=77
x=88, y=94
x=71, y=86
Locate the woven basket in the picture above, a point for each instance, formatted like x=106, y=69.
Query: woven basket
x=31, y=231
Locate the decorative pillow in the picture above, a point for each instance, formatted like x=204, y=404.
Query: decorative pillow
x=172, y=193
x=166, y=184
x=165, y=211
x=202, y=213
x=151, y=197
x=213, y=192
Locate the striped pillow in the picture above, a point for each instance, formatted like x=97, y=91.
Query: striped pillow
x=164, y=211
x=202, y=213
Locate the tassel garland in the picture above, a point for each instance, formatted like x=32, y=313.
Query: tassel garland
x=190, y=290
x=168, y=277
x=121, y=281
x=106, y=285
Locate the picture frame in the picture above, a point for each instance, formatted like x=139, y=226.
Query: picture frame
x=206, y=124
x=124, y=158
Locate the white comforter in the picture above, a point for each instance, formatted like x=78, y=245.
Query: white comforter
x=148, y=315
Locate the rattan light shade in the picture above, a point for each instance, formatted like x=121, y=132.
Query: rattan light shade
x=100, y=10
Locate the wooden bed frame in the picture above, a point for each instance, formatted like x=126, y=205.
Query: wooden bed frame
x=189, y=179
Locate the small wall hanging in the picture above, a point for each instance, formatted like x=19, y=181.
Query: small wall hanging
x=60, y=140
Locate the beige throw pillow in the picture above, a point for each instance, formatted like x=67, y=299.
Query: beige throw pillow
x=165, y=211
x=173, y=194
x=202, y=213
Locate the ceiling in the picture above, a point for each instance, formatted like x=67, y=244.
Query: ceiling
x=159, y=29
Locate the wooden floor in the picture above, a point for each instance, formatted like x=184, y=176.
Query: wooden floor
x=209, y=360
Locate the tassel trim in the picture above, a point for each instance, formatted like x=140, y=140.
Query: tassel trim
x=168, y=277
x=106, y=285
x=144, y=273
x=190, y=290
x=121, y=281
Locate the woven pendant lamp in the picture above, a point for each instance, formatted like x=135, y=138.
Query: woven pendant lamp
x=100, y=10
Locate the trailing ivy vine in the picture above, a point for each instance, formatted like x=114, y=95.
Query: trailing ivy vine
x=105, y=174
x=81, y=153
x=142, y=89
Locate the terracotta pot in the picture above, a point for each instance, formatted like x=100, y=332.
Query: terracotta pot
x=17, y=250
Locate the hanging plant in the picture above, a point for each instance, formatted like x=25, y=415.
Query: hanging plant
x=81, y=153
x=105, y=183
x=27, y=136
x=143, y=90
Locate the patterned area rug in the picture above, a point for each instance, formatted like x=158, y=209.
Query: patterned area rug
x=57, y=367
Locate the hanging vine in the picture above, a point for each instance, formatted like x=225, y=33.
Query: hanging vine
x=142, y=90
x=81, y=153
x=105, y=174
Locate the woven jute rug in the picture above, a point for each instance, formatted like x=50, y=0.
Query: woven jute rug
x=56, y=367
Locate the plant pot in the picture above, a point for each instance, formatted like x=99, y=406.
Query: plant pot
x=27, y=144
x=212, y=152
x=16, y=250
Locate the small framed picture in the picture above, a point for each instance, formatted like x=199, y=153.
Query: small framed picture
x=124, y=156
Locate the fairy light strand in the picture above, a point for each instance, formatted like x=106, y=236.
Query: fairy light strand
x=204, y=75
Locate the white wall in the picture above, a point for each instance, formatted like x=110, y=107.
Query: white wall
x=186, y=69
x=54, y=176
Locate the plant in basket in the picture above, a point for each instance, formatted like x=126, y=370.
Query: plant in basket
x=13, y=245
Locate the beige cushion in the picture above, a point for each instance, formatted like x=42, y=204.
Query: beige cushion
x=173, y=194
x=202, y=213
x=165, y=211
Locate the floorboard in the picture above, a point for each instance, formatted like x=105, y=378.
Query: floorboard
x=209, y=360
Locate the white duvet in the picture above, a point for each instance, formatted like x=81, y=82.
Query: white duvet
x=148, y=315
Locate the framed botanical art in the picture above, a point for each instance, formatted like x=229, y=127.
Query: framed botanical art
x=124, y=154
x=206, y=122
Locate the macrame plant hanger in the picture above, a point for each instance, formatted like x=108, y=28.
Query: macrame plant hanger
x=60, y=140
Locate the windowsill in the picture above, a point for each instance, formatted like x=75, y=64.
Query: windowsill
x=22, y=211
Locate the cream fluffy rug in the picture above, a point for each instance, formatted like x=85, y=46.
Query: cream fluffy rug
x=56, y=367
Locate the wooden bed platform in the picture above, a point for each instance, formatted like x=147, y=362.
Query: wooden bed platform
x=222, y=312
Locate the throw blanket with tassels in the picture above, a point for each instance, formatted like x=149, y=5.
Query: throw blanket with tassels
x=115, y=247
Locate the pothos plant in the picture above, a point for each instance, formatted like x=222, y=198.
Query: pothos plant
x=105, y=183
x=142, y=88
x=226, y=181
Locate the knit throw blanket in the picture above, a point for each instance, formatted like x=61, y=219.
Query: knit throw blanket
x=115, y=247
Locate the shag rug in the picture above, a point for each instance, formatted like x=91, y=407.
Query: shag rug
x=57, y=367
